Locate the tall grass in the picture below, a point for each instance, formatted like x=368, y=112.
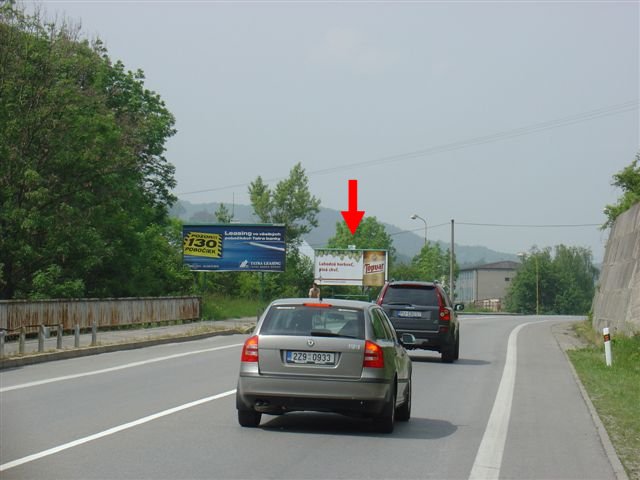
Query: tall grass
x=615, y=392
x=222, y=307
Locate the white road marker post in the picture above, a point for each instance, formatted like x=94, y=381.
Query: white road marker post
x=607, y=345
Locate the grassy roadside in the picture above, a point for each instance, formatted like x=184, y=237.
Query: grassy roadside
x=220, y=307
x=614, y=391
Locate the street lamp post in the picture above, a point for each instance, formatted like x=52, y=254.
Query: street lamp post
x=415, y=216
x=523, y=256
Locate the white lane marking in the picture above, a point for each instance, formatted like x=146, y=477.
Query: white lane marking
x=489, y=457
x=114, y=369
x=111, y=431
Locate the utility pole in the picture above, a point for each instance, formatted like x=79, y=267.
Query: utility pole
x=537, y=287
x=451, y=293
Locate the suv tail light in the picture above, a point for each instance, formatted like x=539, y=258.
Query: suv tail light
x=373, y=355
x=445, y=314
x=250, y=350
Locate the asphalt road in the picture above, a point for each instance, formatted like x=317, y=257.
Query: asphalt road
x=509, y=408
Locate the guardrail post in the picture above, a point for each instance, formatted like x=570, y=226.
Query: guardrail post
x=59, y=339
x=2, y=333
x=94, y=334
x=76, y=341
x=21, y=341
x=40, y=338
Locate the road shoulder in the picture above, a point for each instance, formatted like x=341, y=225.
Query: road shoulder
x=568, y=340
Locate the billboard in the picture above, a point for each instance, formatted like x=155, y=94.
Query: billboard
x=351, y=267
x=234, y=247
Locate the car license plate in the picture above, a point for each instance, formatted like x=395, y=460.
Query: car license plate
x=409, y=313
x=311, y=358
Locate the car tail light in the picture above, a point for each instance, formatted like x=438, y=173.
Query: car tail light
x=373, y=355
x=318, y=305
x=250, y=350
x=445, y=314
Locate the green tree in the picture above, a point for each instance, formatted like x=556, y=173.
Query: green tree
x=84, y=183
x=533, y=283
x=576, y=279
x=433, y=264
x=223, y=215
x=404, y=271
x=260, y=196
x=562, y=283
x=629, y=181
x=290, y=203
x=371, y=234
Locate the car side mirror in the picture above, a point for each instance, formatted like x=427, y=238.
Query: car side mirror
x=407, y=339
x=459, y=307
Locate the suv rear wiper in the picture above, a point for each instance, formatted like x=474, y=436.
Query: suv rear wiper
x=398, y=303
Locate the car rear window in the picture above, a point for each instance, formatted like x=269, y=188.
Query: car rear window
x=411, y=295
x=313, y=321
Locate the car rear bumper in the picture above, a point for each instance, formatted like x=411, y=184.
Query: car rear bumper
x=427, y=340
x=276, y=395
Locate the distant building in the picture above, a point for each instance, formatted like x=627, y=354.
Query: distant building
x=486, y=285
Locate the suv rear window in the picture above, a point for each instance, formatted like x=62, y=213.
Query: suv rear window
x=311, y=321
x=411, y=294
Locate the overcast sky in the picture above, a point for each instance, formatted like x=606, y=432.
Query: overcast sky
x=510, y=113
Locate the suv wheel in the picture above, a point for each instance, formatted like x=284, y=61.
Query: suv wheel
x=456, y=354
x=448, y=353
x=249, y=418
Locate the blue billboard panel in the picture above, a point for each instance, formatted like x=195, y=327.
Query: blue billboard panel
x=234, y=248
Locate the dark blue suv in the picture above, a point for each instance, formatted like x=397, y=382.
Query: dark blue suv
x=424, y=310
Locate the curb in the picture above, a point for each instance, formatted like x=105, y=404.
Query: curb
x=33, y=359
x=609, y=450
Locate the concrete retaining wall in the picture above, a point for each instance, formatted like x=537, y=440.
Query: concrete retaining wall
x=617, y=301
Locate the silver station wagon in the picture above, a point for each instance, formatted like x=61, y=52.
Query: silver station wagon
x=327, y=355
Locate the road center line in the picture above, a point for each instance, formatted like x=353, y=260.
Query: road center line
x=114, y=369
x=489, y=457
x=111, y=431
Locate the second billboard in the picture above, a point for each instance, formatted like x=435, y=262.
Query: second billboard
x=351, y=267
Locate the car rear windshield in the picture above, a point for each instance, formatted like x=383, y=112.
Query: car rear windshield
x=411, y=295
x=314, y=321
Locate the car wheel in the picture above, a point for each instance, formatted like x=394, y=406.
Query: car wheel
x=448, y=353
x=404, y=411
x=385, y=422
x=249, y=418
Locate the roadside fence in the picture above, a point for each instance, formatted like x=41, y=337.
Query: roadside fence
x=22, y=318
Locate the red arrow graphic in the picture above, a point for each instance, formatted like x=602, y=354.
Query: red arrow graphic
x=353, y=216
